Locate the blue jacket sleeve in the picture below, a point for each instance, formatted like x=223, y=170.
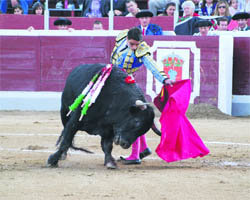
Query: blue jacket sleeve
x=151, y=65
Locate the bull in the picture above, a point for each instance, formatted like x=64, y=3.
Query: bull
x=119, y=115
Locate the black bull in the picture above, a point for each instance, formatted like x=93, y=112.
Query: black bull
x=114, y=116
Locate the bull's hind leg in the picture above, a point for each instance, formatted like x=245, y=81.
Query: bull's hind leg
x=107, y=146
x=67, y=138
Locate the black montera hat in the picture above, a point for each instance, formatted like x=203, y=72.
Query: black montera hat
x=203, y=23
x=241, y=15
x=62, y=21
x=144, y=13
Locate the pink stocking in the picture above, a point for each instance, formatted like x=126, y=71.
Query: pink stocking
x=135, y=150
x=143, y=143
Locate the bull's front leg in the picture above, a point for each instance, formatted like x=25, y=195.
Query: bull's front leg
x=107, y=146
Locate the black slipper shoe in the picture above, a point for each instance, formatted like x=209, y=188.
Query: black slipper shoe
x=130, y=162
x=145, y=153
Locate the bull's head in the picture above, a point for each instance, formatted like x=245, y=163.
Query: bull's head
x=136, y=123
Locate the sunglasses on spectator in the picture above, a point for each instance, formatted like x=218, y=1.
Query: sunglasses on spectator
x=222, y=7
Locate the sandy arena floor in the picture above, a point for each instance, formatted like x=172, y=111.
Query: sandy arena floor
x=28, y=138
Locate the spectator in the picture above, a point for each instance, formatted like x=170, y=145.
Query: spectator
x=233, y=7
x=17, y=10
x=188, y=11
x=204, y=27
x=97, y=25
x=144, y=17
x=63, y=24
x=155, y=5
x=207, y=7
x=169, y=9
x=132, y=8
x=222, y=24
x=241, y=18
x=119, y=7
x=23, y=3
x=222, y=9
x=93, y=8
x=37, y=8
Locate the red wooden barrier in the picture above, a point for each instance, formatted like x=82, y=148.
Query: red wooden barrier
x=47, y=61
x=9, y=21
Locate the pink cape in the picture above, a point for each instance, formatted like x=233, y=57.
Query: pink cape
x=179, y=140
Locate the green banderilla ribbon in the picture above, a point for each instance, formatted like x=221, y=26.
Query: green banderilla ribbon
x=84, y=109
x=79, y=99
x=77, y=102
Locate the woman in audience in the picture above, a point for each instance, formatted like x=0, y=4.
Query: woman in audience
x=188, y=11
x=207, y=7
x=169, y=9
x=222, y=9
x=37, y=8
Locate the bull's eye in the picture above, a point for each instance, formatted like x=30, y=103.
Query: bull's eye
x=134, y=110
x=137, y=123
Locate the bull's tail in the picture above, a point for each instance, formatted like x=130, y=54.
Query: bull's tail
x=58, y=142
x=156, y=130
x=80, y=149
x=59, y=139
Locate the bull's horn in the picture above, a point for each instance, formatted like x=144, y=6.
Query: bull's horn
x=142, y=105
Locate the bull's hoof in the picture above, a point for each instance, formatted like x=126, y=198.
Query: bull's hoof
x=52, y=161
x=52, y=166
x=111, y=165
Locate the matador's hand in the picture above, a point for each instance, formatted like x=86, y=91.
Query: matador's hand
x=169, y=82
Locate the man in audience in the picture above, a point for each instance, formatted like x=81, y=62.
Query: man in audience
x=132, y=8
x=241, y=18
x=17, y=10
x=146, y=27
x=97, y=25
x=222, y=24
x=63, y=24
x=204, y=27
x=155, y=5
